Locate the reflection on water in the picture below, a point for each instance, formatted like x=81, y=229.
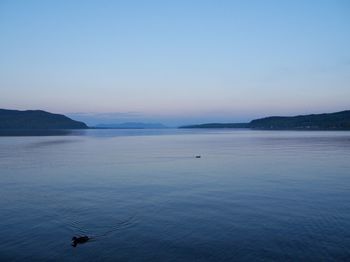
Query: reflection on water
x=51, y=142
x=143, y=196
x=41, y=132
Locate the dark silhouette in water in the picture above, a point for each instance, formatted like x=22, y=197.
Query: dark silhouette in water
x=198, y=156
x=79, y=240
x=76, y=240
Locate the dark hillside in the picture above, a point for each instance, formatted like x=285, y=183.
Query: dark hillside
x=36, y=119
x=332, y=121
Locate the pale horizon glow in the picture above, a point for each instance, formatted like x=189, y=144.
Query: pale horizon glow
x=177, y=62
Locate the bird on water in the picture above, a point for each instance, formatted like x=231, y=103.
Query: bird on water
x=79, y=240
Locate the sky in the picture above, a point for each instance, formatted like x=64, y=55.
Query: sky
x=175, y=62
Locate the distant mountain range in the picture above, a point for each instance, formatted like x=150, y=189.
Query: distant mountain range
x=331, y=121
x=218, y=125
x=132, y=125
x=15, y=120
x=42, y=120
x=36, y=120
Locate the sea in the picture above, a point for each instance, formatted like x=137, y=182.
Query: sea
x=176, y=195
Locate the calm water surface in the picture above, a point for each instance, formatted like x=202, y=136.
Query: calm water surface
x=143, y=196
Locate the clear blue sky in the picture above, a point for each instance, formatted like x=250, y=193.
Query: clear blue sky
x=175, y=62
